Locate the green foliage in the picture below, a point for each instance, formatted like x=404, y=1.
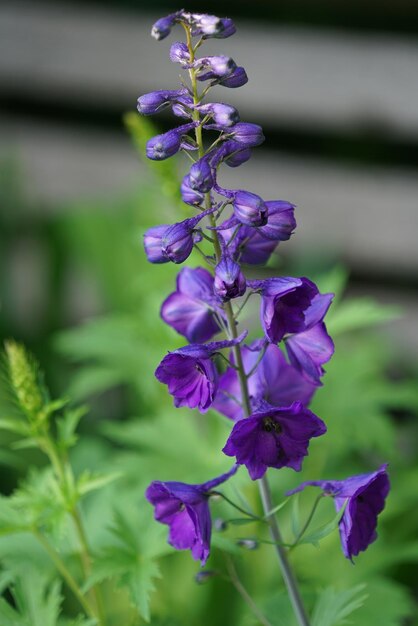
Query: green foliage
x=333, y=607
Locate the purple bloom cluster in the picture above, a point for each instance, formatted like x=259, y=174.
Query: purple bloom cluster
x=265, y=394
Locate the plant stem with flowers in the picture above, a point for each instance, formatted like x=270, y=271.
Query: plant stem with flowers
x=265, y=395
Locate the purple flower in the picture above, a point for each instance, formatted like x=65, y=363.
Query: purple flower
x=212, y=26
x=238, y=78
x=281, y=221
x=190, y=195
x=229, y=280
x=162, y=27
x=214, y=67
x=200, y=177
x=191, y=375
x=365, y=495
x=156, y=101
x=248, y=246
x=290, y=305
x=191, y=309
x=310, y=350
x=178, y=239
x=273, y=381
x=166, y=145
x=249, y=135
x=179, y=53
x=249, y=208
x=223, y=115
x=153, y=244
x=185, y=509
x=275, y=437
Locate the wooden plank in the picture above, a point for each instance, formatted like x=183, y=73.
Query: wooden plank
x=303, y=77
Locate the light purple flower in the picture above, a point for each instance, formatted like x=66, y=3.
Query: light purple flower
x=153, y=244
x=310, y=350
x=166, y=145
x=214, y=67
x=156, y=101
x=274, y=437
x=249, y=135
x=273, y=380
x=365, y=495
x=200, y=177
x=191, y=375
x=223, y=115
x=185, y=509
x=189, y=195
x=249, y=208
x=162, y=27
x=211, y=26
x=179, y=53
x=191, y=309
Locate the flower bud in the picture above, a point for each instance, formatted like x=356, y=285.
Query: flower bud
x=163, y=146
x=201, y=577
x=238, y=78
x=179, y=53
x=212, y=26
x=250, y=209
x=238, y=158
x=25, y=380
x=249, y=135
x=248, y=544
x=162, y=27
x=153, y=244
x=190, y=195
x=155, y=101
x=217, y=67
x=177, y=242
x=223, y=115
x=229, y=280
x=201, y=177
x=220, y=525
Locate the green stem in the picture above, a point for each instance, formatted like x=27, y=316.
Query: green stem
x=308, y=521
x=233, y=577
x=65, y=573
x=264, y=488
x=236, y=506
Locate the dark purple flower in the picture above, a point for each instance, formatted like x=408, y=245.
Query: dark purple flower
x=166, y=145
x=249, y=135
x=178, y=239
x=153, y=244
x=229, y=280
x=185, y=509
x=365, y=495
x=275, y=437
x=179, y=53
x=223, y=115
x=191, y=309
x=248, y=246
x=214, y=67
x=290, y=305
x=281, y=221
x=238, y=78
x=162, y=27
x=273, y=380
x=191, y=375
x=156, y=101
x=249, y=208
x=200, y=177
x=190, y=195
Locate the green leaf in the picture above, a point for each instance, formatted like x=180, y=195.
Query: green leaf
x=89, y=481
x=359, y=313
x=37, y=600
x=333, y=607
x=67, y=426
x=240, y=521
x=14, y=425
x=324, y=530
x=130, y=558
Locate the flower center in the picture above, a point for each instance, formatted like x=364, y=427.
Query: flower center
x=270, y=425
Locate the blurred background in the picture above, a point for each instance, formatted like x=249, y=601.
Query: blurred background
x=335, y=87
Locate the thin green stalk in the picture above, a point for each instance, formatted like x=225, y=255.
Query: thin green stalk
x=65, y=573
x=233, y=577
x=264, y=488
x=308, y=521
x=236, y=506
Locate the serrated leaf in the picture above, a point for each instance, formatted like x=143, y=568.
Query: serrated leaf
x=333, y=607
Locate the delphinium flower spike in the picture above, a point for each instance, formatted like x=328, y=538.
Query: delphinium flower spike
x=263, y=393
